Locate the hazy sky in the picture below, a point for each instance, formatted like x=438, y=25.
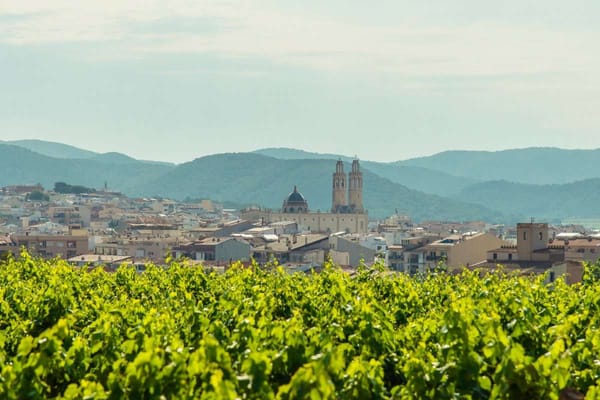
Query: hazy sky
x=385, y=80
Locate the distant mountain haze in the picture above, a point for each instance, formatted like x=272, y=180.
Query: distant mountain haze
x=454, y=185
x=241, y=178
x=418, y=178
x=65, y=151
x=536, y=165
x=22, y=166
x=253, y=179
x=286, y=153
x=579, y=199
x=53, y=149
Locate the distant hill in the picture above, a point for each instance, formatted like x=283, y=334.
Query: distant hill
x=120, y=158
x=53, y=149
x=536, y=165
x=287, y=153
x=412, y=187
x=21, y=166
x=65, y=151
x=572, y=200
x=417, y=178
x=247, y=178
x=113, y=157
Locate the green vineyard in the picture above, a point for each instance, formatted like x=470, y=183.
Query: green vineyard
x=252, y=333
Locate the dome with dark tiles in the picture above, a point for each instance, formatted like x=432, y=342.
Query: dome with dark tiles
x=295, y=197
x=295, y=203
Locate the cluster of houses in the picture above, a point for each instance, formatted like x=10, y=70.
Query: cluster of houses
x=529, y=248
x=109, y=229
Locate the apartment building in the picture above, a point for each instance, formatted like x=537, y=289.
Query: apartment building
x=309, y=248
x=348, y=251
x=71, y=215
x=215, y=250
x=407, y=256
x=458, y=251
x=584, y=249
x=141, y=248
x=49, y=246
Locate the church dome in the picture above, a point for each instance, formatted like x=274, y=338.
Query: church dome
x=295, y=203
x=295, y=197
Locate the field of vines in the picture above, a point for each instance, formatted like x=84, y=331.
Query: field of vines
x=184, y=333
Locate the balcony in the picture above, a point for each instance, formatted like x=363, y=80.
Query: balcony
x=414, y=260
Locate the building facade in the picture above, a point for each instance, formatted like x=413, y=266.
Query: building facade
x=345, y=216
x=215, y=250
x=49, y=246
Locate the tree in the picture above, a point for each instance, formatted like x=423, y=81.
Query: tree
x=37, y=195
x=62, y=187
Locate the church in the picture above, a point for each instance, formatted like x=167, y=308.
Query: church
x=347, y=212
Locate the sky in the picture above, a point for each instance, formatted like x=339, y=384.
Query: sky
x=385, y=80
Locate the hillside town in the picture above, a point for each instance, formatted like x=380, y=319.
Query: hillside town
x=104, y=228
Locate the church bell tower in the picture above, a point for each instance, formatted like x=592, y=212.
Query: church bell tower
x=355, y=189
x=338, y=188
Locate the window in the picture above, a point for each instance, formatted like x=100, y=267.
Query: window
x=509, y=256
x=525, y=235
x=541, y=236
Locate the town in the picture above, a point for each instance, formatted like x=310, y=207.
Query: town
x=105, y=228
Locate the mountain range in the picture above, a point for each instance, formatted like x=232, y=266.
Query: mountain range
x=535, y=165
x=503, y=186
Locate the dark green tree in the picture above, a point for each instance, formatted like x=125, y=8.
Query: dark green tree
x=37, y=195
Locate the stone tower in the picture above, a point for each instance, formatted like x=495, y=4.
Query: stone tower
x=338, y=202
x=531, y=237
x=355, y=188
